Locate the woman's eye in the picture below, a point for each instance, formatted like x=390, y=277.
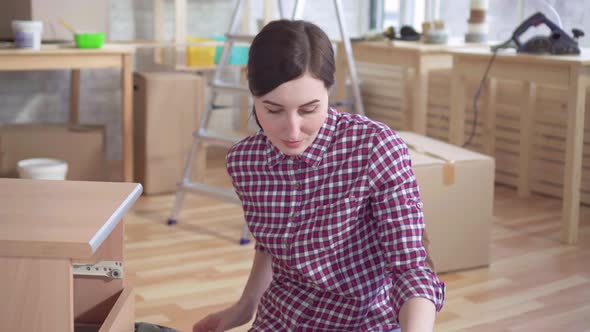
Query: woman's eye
x=309, y=110
x=273, y=111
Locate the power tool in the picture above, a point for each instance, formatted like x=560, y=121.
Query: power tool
x=557, y=43
x=405, y=33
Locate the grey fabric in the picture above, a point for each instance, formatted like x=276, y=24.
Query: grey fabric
x=149, y=327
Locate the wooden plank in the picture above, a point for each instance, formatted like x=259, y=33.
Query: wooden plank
x=57, y=61
x=526, y=135
x=341, y=75
x=490, y=117
x=36, y=294
x=74, y=115
x=573, y=156
x=419, y=93
x=158, y=30
x=122, y=315
x=180, y=11
x=127, y=117
x=550, y=73
x=457, y=113
x=93, y=296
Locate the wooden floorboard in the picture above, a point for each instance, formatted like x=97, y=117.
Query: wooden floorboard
x=183, y=272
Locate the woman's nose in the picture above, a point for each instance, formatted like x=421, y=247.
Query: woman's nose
x=293, y=127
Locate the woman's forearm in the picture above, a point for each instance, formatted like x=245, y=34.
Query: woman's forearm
x=417, y=315
x=258, y=281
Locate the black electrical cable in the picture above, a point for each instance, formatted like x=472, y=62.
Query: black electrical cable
x=476, y=96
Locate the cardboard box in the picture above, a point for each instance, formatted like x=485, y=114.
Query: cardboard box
x=167, y=107
x=82, y=147
x=457, y=188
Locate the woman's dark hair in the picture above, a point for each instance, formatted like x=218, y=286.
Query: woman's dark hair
x=284, y=50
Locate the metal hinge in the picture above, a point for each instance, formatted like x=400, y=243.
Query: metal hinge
x=109, y=269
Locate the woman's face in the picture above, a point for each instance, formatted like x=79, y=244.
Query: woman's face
x=292, y=114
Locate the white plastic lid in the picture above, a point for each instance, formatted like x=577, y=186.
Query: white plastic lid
x=16, y=24
x=41, y=163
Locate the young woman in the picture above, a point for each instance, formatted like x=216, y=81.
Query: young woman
x=331, y=201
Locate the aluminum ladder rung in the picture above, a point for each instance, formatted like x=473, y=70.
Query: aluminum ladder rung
x=239, y=38
x=217, y=139
x=219, y=87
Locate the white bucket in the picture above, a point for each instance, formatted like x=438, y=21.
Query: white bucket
x=27, y=34
x=42, y=169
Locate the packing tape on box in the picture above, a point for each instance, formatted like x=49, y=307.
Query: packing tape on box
x=448, y=168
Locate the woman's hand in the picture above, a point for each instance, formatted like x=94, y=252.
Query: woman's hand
x=243, y=311
x=234, y=316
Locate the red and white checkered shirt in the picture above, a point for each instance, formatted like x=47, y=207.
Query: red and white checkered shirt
x=343, y=224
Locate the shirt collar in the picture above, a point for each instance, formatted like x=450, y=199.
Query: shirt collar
x=314, y=153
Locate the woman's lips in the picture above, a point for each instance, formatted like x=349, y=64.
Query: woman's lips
x=292, y=144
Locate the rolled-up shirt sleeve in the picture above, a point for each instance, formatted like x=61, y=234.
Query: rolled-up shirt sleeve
x=397, y=209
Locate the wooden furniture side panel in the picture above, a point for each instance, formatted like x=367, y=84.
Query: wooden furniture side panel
x=95, y=296
x=121, y=318
x=36, y=295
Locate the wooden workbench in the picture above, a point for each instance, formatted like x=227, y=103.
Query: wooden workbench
x=417, y=57
x=53, y=57
x=46, y=227
x=569, y=72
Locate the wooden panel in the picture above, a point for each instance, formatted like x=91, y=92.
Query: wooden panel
x=382, y=90
x=59, y=61
x=121, y=317
x=127, y=121
x=36, y=294
x=67, y=224
x=91, y=294
x=546, y=74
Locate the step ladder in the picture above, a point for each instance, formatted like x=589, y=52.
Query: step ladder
x=203, y=137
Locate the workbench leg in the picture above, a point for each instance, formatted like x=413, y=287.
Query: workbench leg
x=340, y=94
x=527, y=115
x=37, y=294
x=245, y=110
x=573, y=156
x=457, y=112
x=158, y=30
x=490, y=117
x=419, y=99
x=74, y=118
x=408, y=77
x=127, y=118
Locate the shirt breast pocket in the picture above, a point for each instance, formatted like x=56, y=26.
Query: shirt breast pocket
x=333, y=224
x=320, y=243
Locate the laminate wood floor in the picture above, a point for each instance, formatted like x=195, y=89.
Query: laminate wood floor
x=534, y=283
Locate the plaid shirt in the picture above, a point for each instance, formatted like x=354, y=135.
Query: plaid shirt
x=343, y=224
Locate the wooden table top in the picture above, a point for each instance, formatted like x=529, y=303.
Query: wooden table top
x=45, y=218
x=510, y=54
x=58, y=49
x=418, y=47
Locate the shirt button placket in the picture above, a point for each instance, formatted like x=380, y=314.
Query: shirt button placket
x=290, y=224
